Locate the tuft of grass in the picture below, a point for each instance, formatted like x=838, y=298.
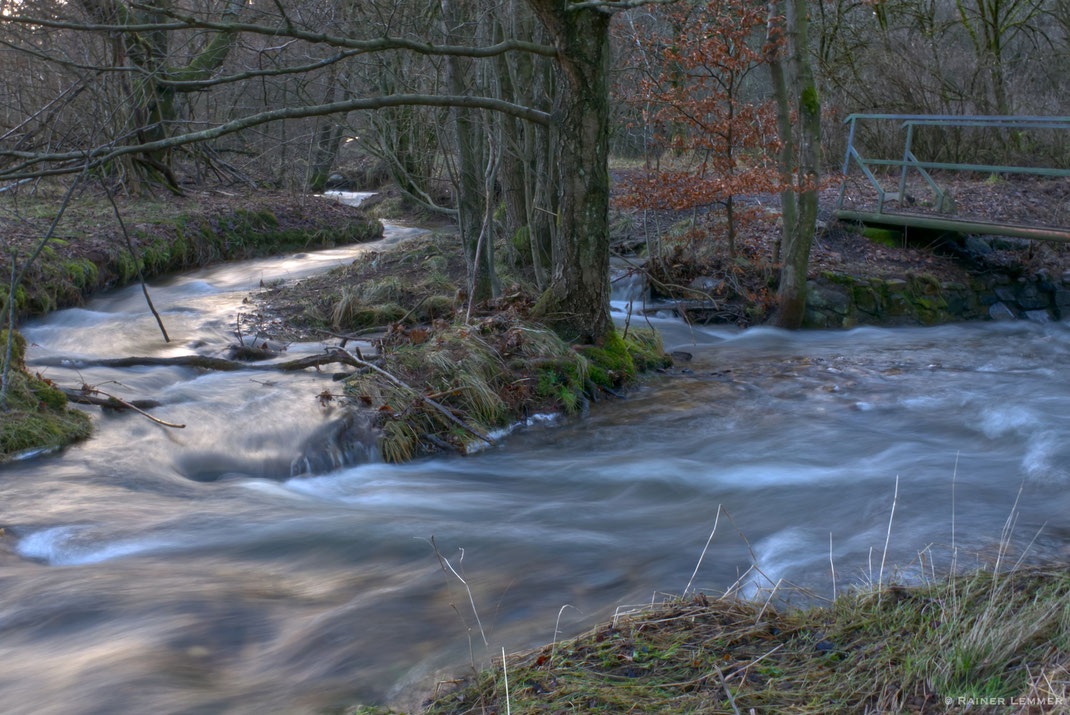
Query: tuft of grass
x=37, y=416
x=489, y=375
x=902, y=649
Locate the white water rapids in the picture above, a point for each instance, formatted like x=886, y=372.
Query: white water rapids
x=158, y=571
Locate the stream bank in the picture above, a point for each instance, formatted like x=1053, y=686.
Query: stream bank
x=89, y=251
x=90, y=254
x=995, y=642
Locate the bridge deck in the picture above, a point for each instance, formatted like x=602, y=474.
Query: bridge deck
x=965, y=226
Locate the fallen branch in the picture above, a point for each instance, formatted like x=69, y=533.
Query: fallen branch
x=89, y=391
x=353, y=336
x=84, y=398
x=445, y=413
x=202, y=361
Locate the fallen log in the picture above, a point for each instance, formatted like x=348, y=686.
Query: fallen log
x=200, y=361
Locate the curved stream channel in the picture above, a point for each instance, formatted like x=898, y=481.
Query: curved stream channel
x=162, y=571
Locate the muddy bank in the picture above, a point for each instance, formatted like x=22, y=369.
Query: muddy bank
x=35, y=415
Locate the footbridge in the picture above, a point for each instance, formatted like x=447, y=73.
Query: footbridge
x=882, y=197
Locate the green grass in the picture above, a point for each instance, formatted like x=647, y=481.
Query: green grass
x=903, y=649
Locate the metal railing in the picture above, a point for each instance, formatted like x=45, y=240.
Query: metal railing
x=910, y=161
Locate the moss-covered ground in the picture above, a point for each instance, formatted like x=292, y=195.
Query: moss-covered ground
x=35, y=414
x=976, y=642
x=488, y=374
x=89, y=252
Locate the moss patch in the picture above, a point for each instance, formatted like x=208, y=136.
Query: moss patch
x=902, y=650
x=37, y=416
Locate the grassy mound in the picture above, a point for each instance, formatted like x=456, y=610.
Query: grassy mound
x=411, y=283
x=36, y=416
x=490, y=374
x=980, y=639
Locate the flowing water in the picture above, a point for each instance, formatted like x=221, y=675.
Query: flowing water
x=151, y=570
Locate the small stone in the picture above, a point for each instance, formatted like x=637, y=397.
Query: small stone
x=1030, y=298
x=824, y=646
x=1038, y=316
x=681, y=355
x=1000, y=311
x=1062, y=298
x=1005, y=294
x=977, y=246
x=990, y=298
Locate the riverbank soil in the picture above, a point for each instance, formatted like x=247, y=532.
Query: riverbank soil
x=89, y=251
x=980, y=642
x=447, y=375
x=35, y=415
x=860, y=276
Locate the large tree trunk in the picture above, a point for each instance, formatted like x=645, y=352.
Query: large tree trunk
x=791, y=295
x=577, y=301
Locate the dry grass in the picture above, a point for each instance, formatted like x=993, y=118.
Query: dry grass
x=974, y=636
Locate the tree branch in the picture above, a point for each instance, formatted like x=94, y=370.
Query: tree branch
x=102, y=154
x=186, y=22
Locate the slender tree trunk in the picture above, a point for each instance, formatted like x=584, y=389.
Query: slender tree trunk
x=774, y=42
x=326, y=141
x=577, y=301
x=791, y=296
x=470, y=185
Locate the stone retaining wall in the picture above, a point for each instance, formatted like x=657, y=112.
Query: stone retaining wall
x=837, y=300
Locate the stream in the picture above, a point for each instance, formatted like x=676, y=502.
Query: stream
x=150, y=570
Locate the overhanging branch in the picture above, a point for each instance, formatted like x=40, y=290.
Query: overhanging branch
x=382, y=44
x=102, y=154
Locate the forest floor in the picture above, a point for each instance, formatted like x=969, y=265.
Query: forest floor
x=89, y=251
x=977, y=642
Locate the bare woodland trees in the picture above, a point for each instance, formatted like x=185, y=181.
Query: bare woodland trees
x=145, y=54
x=508, y=100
